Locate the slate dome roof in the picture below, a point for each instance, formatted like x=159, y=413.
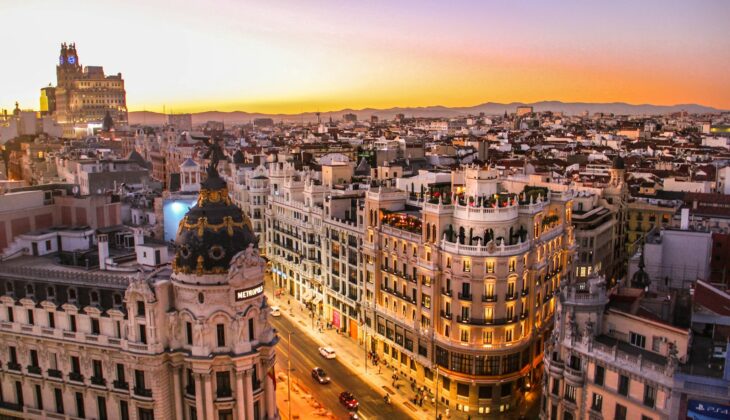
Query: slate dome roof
x=618, y=163
x=212, y=231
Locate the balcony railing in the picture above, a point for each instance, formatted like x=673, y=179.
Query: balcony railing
x=121, y=385
x=489, y=298
x=448, y=293
x=54, y=373
x=98, y=380
x=36, y=370
x=11, y=406
x=525, y=292
x=465, y=296
x=446, y=315
x=76, y=376
x=14, y=366
x=223, y=393
x=487, y=321
x=510, y=296
x=143, y=392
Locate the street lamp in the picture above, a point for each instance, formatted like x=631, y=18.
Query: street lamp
x=365, y=329
x=437, y=392
x=288, y=373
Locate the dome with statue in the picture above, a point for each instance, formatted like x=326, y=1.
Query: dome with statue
x=213, y=231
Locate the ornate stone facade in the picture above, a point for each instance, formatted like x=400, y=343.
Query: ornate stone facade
x=167, y=344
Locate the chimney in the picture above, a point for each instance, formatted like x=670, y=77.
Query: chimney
x=138, y=236
x=103, y=241
x=684, y=224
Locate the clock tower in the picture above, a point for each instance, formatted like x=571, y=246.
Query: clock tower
x=68, y=67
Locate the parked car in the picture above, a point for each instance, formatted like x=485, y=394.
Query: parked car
x=320, y=375
x=275, y=311
x=327, y=352
x=348, y=400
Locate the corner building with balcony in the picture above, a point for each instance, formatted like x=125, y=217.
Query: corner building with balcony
x=460, y=288
x=191, y=341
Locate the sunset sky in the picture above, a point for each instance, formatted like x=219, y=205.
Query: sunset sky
x=291, y=56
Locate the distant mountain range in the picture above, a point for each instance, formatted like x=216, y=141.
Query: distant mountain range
x=489, y=108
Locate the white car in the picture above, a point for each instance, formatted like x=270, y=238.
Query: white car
x=275, y=311
x=327, y=352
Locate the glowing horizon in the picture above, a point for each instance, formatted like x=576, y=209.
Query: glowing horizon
x=287, y=57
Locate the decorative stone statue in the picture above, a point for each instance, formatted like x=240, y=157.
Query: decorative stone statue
x=198, y=333
x=588, y=332
x=173, y=321
x=672, y=359
x=241, y=329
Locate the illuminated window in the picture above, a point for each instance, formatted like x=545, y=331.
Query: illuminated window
x=508, y=335
x=490, y=266
x=464, y=335
x=512, y=265
x=448, y=262
x=466, y=265
x=487, y=337
x=488, y=314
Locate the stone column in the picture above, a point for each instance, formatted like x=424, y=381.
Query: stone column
x=199, y=402
x=240, y=402
x=209, y=409
x=248, y=387
x=177, y=390
x=270, y=394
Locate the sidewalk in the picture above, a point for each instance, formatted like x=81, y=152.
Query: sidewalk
x=352, y=355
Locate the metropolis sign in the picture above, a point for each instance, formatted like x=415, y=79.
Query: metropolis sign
x=242, y=294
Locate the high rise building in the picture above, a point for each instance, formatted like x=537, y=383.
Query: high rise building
x=85, y=94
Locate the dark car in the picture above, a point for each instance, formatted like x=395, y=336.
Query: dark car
x=320, y=375
x=348, y=400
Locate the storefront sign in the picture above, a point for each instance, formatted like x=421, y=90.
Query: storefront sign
x=242, y=294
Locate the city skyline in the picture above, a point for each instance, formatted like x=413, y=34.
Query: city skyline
x=289, y=58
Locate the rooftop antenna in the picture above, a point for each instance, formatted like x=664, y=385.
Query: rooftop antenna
x=319, y=121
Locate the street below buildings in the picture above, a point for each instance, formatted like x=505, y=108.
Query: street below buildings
x=348, y=373
x=305, y=356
